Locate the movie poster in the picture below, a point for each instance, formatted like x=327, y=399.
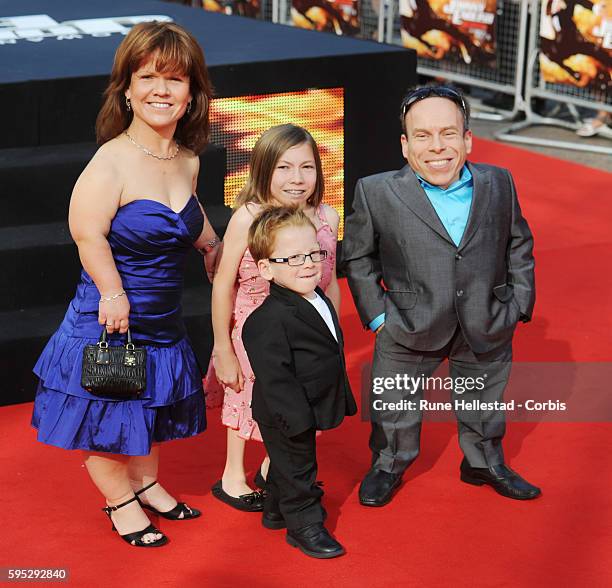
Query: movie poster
x=463, y=30
x=334, y=16
x=250, y=8
x=576, y=43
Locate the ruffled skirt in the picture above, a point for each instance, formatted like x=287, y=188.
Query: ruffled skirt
x=127, y=427
x=66, y=415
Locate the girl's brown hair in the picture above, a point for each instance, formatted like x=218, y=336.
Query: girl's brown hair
x=266, y=153
x=175, y=50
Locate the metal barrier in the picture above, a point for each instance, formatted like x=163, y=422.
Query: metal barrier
x=371, y=21
x=517, y=73
x=571, y=96
x=507, y=77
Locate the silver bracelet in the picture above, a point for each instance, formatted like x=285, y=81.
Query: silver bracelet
x=209, y=246
x=113, y=297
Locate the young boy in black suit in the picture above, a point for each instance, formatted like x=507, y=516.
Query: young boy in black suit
x=295, y=347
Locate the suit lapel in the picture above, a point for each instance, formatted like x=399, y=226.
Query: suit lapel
x=303, y=309
x=309, y=314
x=480, y=202
x=332, y=310
x=406, y=186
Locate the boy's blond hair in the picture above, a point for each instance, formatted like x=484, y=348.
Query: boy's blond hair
x=265, y=227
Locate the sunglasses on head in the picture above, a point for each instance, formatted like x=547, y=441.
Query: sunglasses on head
x=434, y=92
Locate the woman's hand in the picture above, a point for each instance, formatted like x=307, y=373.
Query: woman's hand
x=211, y=261
x=228, y=370
x=93, y=205
x=114, y=314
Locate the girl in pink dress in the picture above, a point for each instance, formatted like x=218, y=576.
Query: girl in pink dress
x=285, y=170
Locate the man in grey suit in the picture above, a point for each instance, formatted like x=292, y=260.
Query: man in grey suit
x=439, y=261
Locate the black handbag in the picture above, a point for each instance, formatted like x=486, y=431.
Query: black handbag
x=117, y=372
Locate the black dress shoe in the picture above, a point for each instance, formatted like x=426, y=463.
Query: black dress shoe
x=252, y=502
x=273, y=521
x=315, y=541
x=276, y=521
x=502, y=479
x=378, y=487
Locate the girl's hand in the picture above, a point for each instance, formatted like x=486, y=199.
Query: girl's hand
x=114, y=314
x=228, y=370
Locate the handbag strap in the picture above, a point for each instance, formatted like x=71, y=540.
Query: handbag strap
x=103, y=343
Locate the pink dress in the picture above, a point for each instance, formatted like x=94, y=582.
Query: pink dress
x=251, y=291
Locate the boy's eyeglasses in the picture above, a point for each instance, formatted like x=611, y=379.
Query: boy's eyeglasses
x=300, y=258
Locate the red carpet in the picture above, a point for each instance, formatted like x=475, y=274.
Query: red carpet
x=437, y=531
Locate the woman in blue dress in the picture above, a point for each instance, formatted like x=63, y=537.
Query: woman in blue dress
x=134, y=217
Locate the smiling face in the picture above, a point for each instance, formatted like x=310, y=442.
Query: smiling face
x=289, y=241
x=435, y=144
x=294, y=177
x=159, y=99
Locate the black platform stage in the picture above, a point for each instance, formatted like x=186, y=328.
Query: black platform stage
x=53, y=70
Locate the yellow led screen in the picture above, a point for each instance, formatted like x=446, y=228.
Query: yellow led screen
x=238, y=122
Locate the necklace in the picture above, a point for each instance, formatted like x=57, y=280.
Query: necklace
x=160, y=157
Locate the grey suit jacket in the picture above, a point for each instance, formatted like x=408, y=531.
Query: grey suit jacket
x=401, y=261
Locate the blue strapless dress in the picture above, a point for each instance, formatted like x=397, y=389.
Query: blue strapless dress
x=150, y=243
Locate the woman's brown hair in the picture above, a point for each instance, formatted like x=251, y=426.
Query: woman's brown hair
x=175, y=50
x=266, y=153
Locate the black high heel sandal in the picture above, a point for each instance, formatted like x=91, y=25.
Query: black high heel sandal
x=181, y=512
x=136, y=539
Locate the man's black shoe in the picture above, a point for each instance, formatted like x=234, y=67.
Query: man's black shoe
x=315, y=541
x=501, y=478
x=378, y=487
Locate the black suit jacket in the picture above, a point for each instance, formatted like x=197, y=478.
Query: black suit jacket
x=300, y=373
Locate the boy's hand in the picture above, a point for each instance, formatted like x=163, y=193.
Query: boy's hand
x=228, y=370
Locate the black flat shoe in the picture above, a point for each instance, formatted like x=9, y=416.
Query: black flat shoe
x=378, y=487
x=252, y=502
x=502, y=479
x=315, y=541
x=181, y=512
x=136, y=538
